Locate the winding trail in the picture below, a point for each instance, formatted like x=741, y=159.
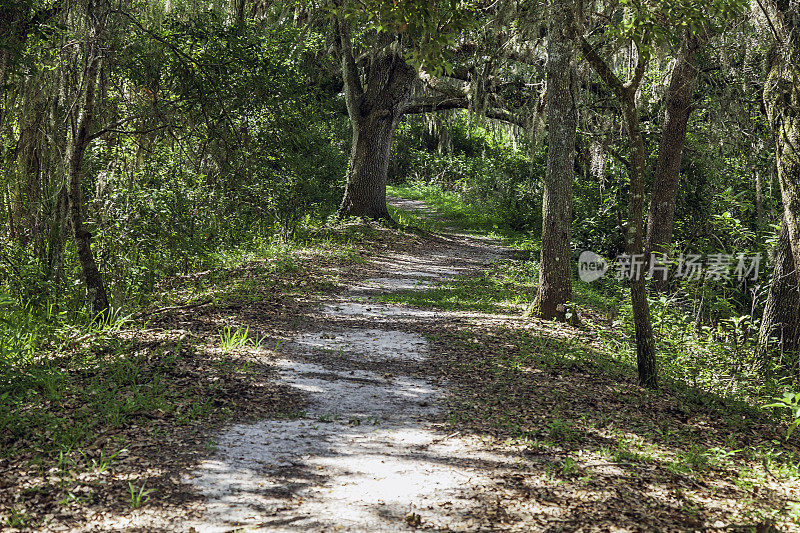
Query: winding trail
x=370, y=453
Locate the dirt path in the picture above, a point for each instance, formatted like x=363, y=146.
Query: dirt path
x=378, y=417
x=370, y=452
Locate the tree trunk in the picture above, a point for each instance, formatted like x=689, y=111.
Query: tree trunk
x=783, y=108
x=645, y=344
x=667, y=174
x=365, y=192
x=780, y=325
x=555, y=273
x=238, y=11
x=634, y=239
x=375, y=109
x=96, y=295
x=782, y=102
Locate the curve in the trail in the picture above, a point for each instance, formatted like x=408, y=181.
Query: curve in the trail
x=368, y=454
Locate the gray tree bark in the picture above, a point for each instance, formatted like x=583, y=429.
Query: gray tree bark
x=661, y=216
x=375, y=109
x=555, y=272
x=780, y=324
x=782, y=102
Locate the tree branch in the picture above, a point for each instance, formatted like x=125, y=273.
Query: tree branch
x=431, y=105
x=444, y=86
x=601, y=68
x=638, y=73
x=114, y=127
x=352, y=81
x=505, y=115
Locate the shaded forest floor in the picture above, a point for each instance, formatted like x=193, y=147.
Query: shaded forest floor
x=518, y=424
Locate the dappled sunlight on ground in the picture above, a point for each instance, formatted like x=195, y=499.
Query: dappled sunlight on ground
x=369, y=453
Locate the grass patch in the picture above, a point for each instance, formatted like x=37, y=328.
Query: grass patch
x=551, y=391
x=60, y=405
x=450, y=211
x=72, y=423
x=507, y=289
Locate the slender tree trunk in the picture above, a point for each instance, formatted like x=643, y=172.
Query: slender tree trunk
x=667, y=174
x=645, y=343
x=780, y=324
x=555, y=273
x=634, y=238
x=95, y=288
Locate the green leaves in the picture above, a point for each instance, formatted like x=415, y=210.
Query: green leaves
x=652, y=23
x=427, y=29
x=791, y=401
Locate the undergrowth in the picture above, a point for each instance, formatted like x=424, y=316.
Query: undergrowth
x=67, y=377
x=693, y=356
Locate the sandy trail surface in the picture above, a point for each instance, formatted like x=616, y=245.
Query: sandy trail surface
x=370, y=453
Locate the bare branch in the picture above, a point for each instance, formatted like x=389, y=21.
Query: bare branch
x=114, y=128
x=601, y=68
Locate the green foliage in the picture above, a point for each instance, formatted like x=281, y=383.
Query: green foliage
x=791, y=401
x=241, y=88
x=231, y=339
x=140, y=496
x=484, y=166
x=455, y=210
x=103, y=462
x=654, y=23
x=428, y=29
x=711, y=358
x=226, y=145
x=18, y=518
x=234, y=141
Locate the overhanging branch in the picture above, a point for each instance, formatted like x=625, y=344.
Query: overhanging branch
x=431, y=105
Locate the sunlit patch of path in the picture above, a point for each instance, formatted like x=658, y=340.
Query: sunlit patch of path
x=367, y=455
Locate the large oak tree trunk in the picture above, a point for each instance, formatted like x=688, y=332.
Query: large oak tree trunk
x=782, y=102
x=365, y=192
x=665, y=180
x=375, y=108
x=780, y=324
x=555, y=273
x=783, y=108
